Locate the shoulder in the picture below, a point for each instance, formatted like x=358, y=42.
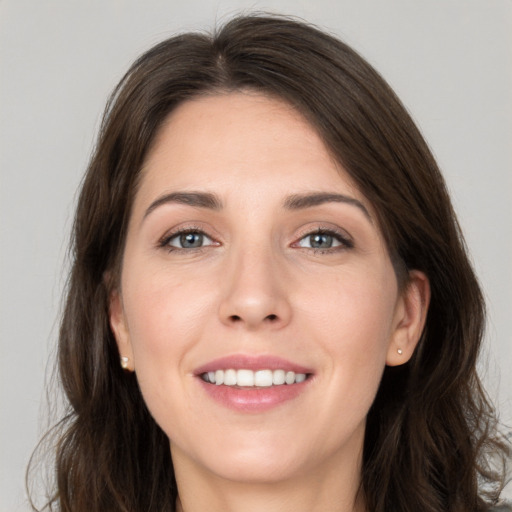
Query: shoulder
x=505, y=506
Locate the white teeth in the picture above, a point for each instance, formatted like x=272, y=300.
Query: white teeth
x=245, y=378
x=290, y=378
x=278, y=377
x=300, y=377
x=263, y=378
x=219, y=377
x=230, y=378
x=248, y=378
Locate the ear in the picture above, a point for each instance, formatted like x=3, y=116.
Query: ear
x=410, y=315
x=120, y=330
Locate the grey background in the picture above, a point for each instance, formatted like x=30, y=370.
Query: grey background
x=449, y=60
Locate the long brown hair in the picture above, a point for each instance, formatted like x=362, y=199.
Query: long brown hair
x=430, y=432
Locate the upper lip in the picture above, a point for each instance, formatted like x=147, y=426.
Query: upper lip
x=250, y=362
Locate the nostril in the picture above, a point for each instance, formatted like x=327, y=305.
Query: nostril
x=269, y=318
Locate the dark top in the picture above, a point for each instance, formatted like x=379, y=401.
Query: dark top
x=506, y=506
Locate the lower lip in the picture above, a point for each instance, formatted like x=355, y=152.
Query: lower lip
x=253, y=399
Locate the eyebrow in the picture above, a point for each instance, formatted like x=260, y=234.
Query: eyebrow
x=293, y=202
x=308, y=200
x=197, y=199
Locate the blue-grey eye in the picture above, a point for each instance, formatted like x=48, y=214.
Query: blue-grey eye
x=190, y=240
x=320, y=241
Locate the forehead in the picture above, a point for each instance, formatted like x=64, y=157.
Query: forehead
x=243, y=139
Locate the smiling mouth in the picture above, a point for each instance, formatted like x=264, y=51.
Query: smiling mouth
x=244, y=378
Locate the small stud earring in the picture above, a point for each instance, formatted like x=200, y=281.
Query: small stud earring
x=124, y=362
x=399, y=351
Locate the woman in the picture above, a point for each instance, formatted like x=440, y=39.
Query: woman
x=270, y=305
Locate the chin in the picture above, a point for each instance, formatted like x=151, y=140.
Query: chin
x=261, y=461
x=251, y=469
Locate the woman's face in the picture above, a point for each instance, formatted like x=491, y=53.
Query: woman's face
x=250, y=250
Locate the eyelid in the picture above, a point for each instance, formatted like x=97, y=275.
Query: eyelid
x=342, y=236
x=163, y=241
x=346, y=241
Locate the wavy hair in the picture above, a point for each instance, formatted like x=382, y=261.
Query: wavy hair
x=430, y=437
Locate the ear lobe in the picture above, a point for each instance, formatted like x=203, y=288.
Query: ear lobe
x=120, y=330
x=410, y=316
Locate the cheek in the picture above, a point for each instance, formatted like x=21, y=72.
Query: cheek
x=166, y=316
x=354, y=307
x=161, y=307
x=353, y=319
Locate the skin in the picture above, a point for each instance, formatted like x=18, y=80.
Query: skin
x=257, y=287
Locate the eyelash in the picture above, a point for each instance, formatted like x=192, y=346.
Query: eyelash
x=166, y=239
x=344, y=241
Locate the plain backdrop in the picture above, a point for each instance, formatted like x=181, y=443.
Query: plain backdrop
x=450, y=61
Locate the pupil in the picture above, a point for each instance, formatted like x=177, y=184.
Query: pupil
x=321, y=241
x=189, y=240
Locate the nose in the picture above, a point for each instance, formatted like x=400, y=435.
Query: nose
x=255, y=291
